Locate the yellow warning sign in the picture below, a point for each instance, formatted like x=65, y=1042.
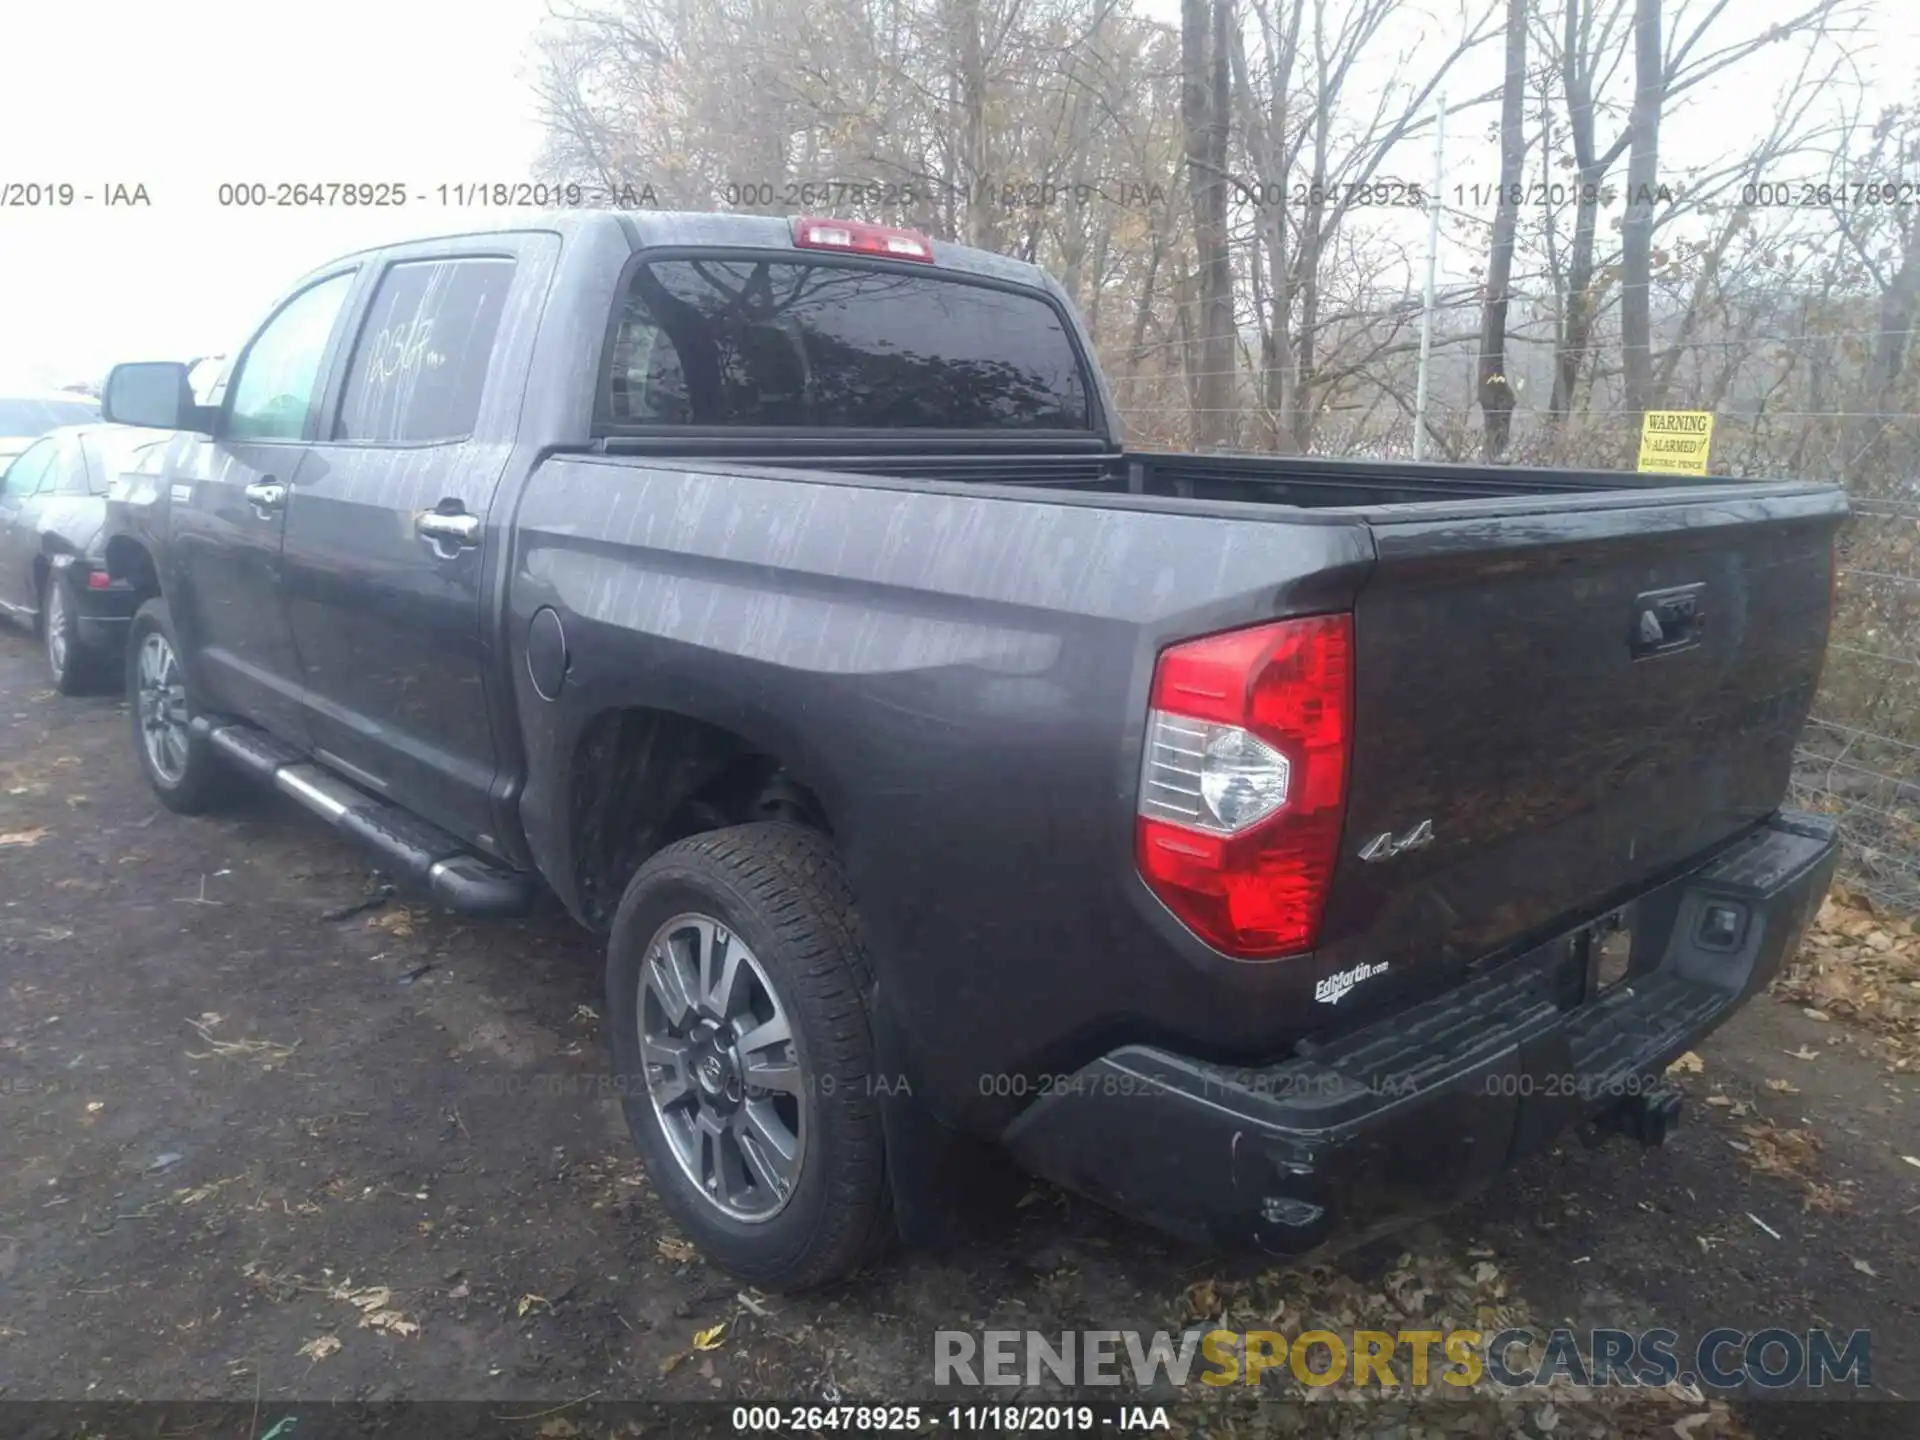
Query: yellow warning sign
x=1675, y=442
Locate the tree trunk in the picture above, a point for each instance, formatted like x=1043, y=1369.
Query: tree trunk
x=1636, y=232
x=976, y=165
x=1576, y=302
x=1205, y=100
x=1142, y=314
x=1496, y=390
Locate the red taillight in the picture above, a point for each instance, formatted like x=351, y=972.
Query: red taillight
x=99, y=580
x=1243, y=786
x=860, y=238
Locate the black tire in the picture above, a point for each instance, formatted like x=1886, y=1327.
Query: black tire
x=779, y=888
x=204, y=782
x=73, y=668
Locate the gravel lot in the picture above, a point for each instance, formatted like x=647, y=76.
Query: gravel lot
x=254, y=1150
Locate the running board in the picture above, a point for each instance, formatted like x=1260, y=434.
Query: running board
x=411, y=848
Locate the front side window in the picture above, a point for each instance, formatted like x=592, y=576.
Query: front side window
x=420, y=364
x=805, y=344
x=279, y=380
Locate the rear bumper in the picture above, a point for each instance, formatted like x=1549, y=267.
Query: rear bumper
x=1419, y=1108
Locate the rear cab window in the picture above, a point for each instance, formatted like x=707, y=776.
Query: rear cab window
x=823, y=345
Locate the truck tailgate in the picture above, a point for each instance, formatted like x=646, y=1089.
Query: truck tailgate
x=1559, y=699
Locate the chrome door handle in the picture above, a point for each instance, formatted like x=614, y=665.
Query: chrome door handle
x=266, y=495
x=447, y=533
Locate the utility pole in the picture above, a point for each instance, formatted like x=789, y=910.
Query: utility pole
x=1433, y=261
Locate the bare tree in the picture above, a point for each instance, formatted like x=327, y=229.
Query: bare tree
x=1320, y=143
x=1592, y=46
x=1496, y=390
x=1636, y=232
x=1206, y=99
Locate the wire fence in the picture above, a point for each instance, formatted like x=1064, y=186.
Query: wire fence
x=1858, y=759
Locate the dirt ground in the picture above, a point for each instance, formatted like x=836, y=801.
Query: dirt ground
x=249, y=1149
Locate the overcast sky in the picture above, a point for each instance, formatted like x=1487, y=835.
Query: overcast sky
x=182, y=99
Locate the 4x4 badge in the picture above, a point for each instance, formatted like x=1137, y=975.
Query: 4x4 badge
x=1386, y=844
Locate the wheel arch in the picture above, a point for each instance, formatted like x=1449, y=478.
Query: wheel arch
x=636, y=778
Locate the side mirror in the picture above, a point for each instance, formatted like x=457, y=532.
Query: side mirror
x=154, y=393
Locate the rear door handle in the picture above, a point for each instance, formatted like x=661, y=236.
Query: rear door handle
x=266, y=496
x=447, y=533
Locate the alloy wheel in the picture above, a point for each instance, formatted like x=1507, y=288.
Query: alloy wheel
x=161, y=698
x=722, y=1069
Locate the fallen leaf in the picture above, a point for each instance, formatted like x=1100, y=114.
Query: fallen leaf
x=709, y=1339
x=318, y=1348
x=527, y=1302
x=1824, y=1199
x=668, y=1365
x=676, y=1250
x=1719, y=1100
x=1865, y=1269
x=22, y=837
x=397, y=923
x=1203, y=1301
x=374, y=1299
x=94, y=1107
x=1805, y=1052
x=1783, y=1087
x=1687, y=1064
x=1910, y=1160
x=196, y=1194
x=391, y=1321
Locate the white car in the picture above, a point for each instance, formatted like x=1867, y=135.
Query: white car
x=26, y=415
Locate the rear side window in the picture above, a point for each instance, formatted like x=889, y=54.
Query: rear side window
x=792, y=343
x=421, y=361
x=73, y=477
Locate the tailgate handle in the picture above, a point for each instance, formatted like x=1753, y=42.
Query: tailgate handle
x=1667, y=620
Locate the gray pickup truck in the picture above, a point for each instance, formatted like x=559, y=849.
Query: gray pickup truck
x=1264, y=847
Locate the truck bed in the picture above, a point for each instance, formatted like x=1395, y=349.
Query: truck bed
x=1303, y=483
